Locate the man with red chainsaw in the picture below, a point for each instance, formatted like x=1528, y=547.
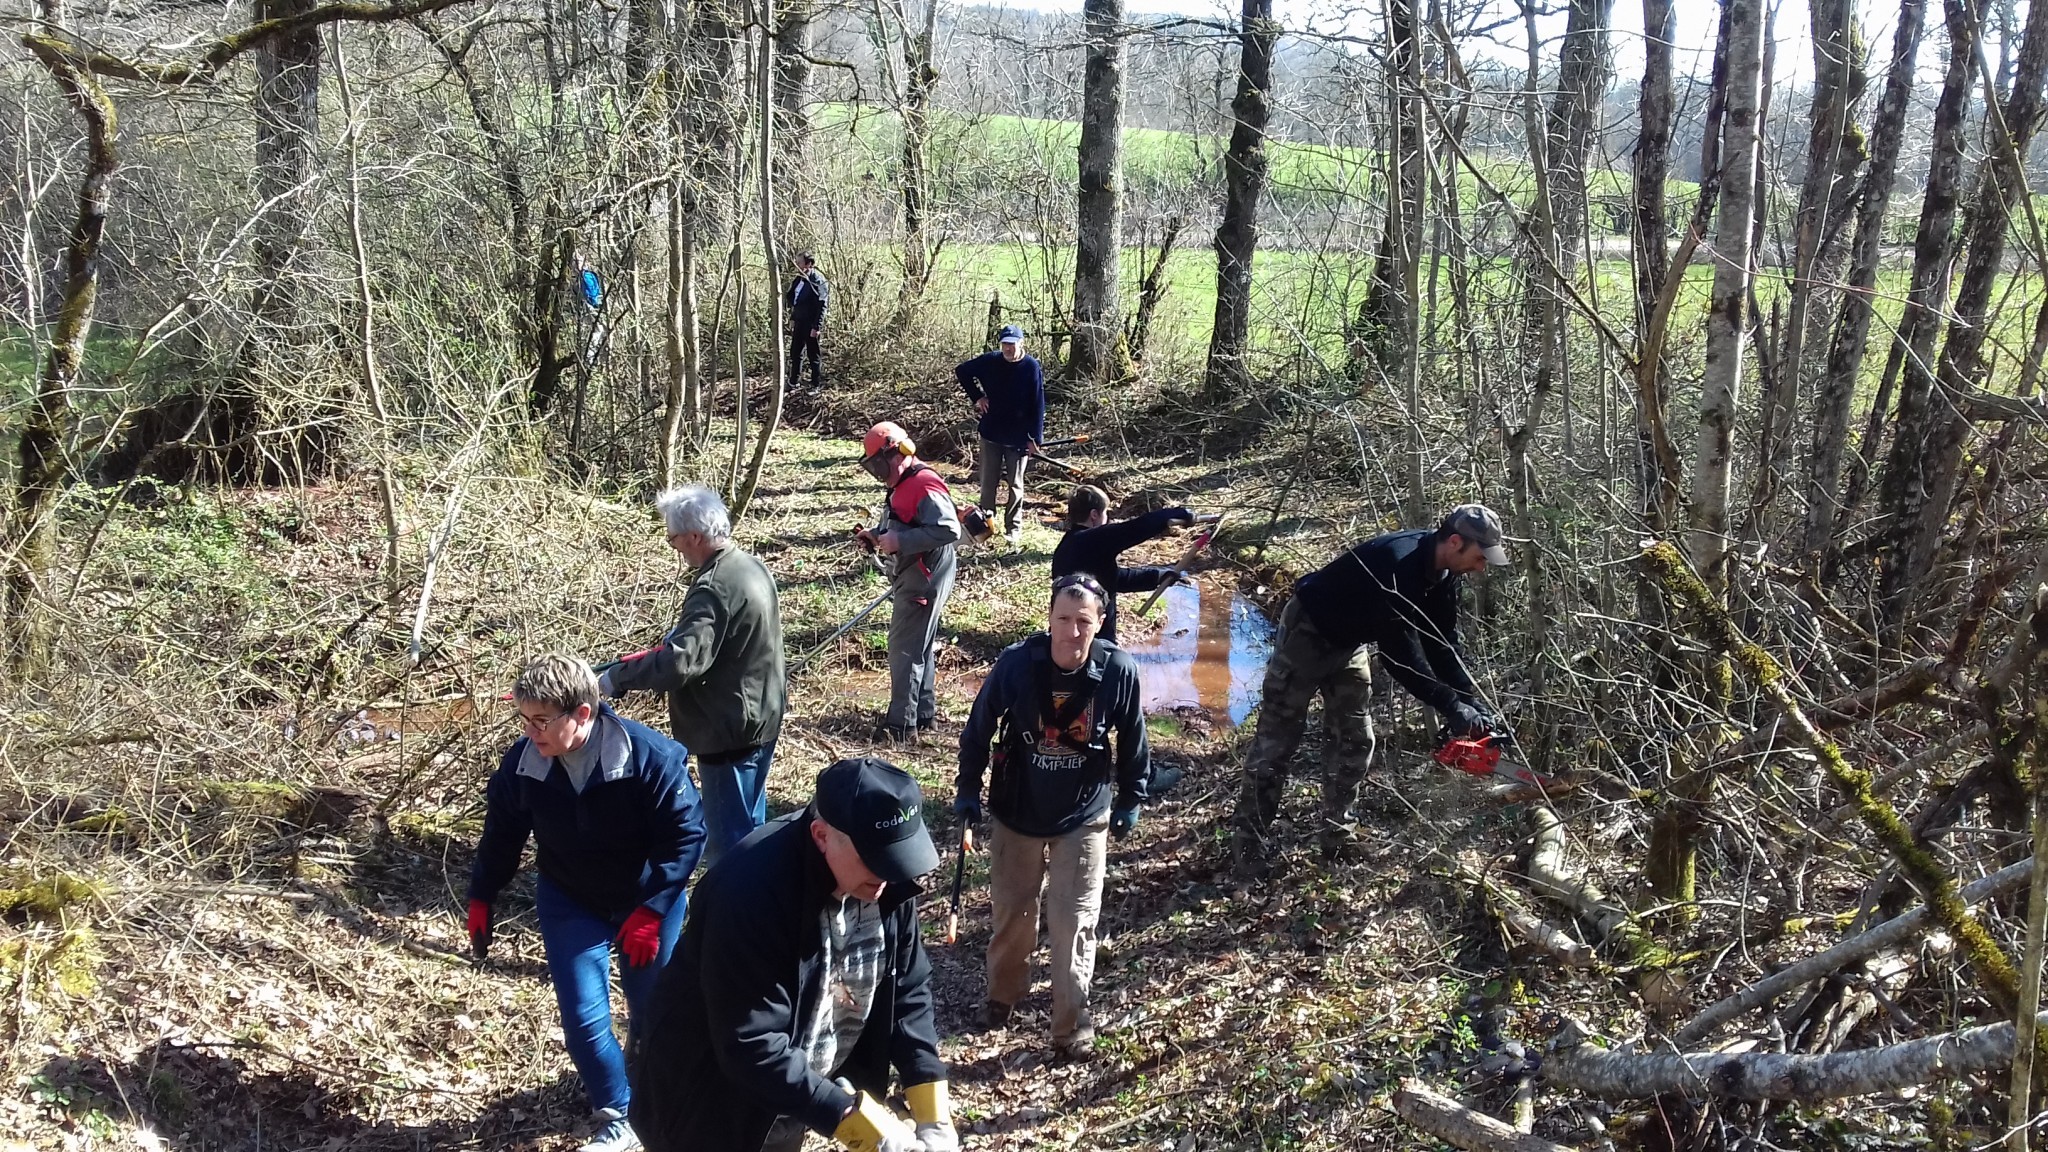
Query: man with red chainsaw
x=1399, y=591
x=919, y=532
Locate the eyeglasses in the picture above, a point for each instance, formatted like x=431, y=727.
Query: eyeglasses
x=536, y=724
x=1084, y=582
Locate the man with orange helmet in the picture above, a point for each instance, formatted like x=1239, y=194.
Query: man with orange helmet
x=919, y=530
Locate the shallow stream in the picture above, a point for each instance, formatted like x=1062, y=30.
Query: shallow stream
x=1209, y=652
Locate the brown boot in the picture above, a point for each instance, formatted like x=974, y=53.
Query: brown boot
x=996, y=1014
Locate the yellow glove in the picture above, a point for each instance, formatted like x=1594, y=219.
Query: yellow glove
x=872, y=1127
x=928, y=1102
x=933, y=1113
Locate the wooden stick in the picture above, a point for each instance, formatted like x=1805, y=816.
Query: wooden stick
x=1778, y=1076
x=1461, y=1127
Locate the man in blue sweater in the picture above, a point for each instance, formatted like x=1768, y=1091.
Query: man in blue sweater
x=1008, y=390
x=1399, y=591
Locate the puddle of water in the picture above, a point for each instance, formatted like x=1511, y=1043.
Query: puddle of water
x=1210, y=652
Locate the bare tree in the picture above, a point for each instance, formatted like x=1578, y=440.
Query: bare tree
x=1728, y=304
x=1244, y=181
x=1098, y=330
x=1852, y=324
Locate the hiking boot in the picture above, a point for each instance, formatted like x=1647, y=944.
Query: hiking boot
x=996, y=1014
x=616, y=1136
x=1164, y=777
x=1249, y=856
x=927, y=724
x=894, y=734
x=1080, y=1047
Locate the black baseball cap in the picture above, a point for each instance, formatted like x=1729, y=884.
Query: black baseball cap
x=881, y=809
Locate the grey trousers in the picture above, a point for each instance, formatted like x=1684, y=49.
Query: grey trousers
x=997, y=465
x=913, y=666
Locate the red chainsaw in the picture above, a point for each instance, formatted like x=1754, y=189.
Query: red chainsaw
x=1488, y=756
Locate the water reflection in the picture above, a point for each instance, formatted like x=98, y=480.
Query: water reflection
x=1210, y=652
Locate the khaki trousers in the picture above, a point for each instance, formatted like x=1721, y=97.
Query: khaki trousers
x=1070, y=869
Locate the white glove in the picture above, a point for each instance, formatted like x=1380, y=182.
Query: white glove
x=938, y=1137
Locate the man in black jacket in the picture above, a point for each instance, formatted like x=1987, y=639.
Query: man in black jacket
x=1399, y=591
x=808, y=297
x=800, y=979
x=1092, y=545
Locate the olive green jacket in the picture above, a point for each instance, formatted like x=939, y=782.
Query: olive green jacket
x=721, y=665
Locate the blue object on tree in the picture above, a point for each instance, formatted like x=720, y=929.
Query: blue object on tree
x=593, y=290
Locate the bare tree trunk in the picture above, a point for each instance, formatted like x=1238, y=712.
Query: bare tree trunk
x=1922, y=469
x=1728, y=303
x=1650, y=258
x=1383, y=317
x=1852, y=326
x=779, y=350
x=1244, y=181
x=920, y=78
x=1412, y=203
x=387, y=483
x=793, y=93
x=1098, y=330
x=1928, y=294
x=1153, y=288
x=1834, y=151
x=43, y=467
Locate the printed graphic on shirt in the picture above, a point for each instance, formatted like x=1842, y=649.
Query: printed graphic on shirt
x=1054, y=754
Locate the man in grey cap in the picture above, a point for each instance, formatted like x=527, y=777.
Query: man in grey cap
x=1399, y=591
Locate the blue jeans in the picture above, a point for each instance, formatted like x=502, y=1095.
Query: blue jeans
x=735, y=794
x=578, y=943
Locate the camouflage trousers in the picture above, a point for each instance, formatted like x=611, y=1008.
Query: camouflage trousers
x=1303, y=664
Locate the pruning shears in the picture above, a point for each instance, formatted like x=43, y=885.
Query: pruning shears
x=959, y=880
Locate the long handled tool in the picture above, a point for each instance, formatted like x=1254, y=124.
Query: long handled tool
x=959, y=880
x=843, y=629
x=1062, y=465
x=1063, y=441
x=1187, y=559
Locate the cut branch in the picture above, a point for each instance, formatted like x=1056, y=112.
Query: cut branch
x=1776, y=1076
x=1461, y=1127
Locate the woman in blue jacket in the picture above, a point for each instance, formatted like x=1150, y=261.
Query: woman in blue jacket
x=617, y=830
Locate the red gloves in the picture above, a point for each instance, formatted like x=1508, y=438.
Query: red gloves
x=479, y=927
x=640, y=939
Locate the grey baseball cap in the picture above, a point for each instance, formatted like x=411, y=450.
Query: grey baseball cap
x=1480, y=525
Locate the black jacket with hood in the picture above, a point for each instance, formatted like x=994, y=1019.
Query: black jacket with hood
x=723, y=1056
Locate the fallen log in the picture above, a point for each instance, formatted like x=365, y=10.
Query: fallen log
x=1778, y=1076
x=1461, y=1127
x=1892, y=932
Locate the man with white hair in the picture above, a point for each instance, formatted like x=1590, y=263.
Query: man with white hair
x=721, y=666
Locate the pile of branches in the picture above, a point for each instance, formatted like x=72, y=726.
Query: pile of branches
x=1674, y=889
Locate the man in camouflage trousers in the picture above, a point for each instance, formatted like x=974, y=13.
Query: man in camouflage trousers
x=1399, y=591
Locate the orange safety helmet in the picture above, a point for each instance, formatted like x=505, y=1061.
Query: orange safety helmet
x=884, y=436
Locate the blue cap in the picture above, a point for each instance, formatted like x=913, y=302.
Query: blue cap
x=1011, y=334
